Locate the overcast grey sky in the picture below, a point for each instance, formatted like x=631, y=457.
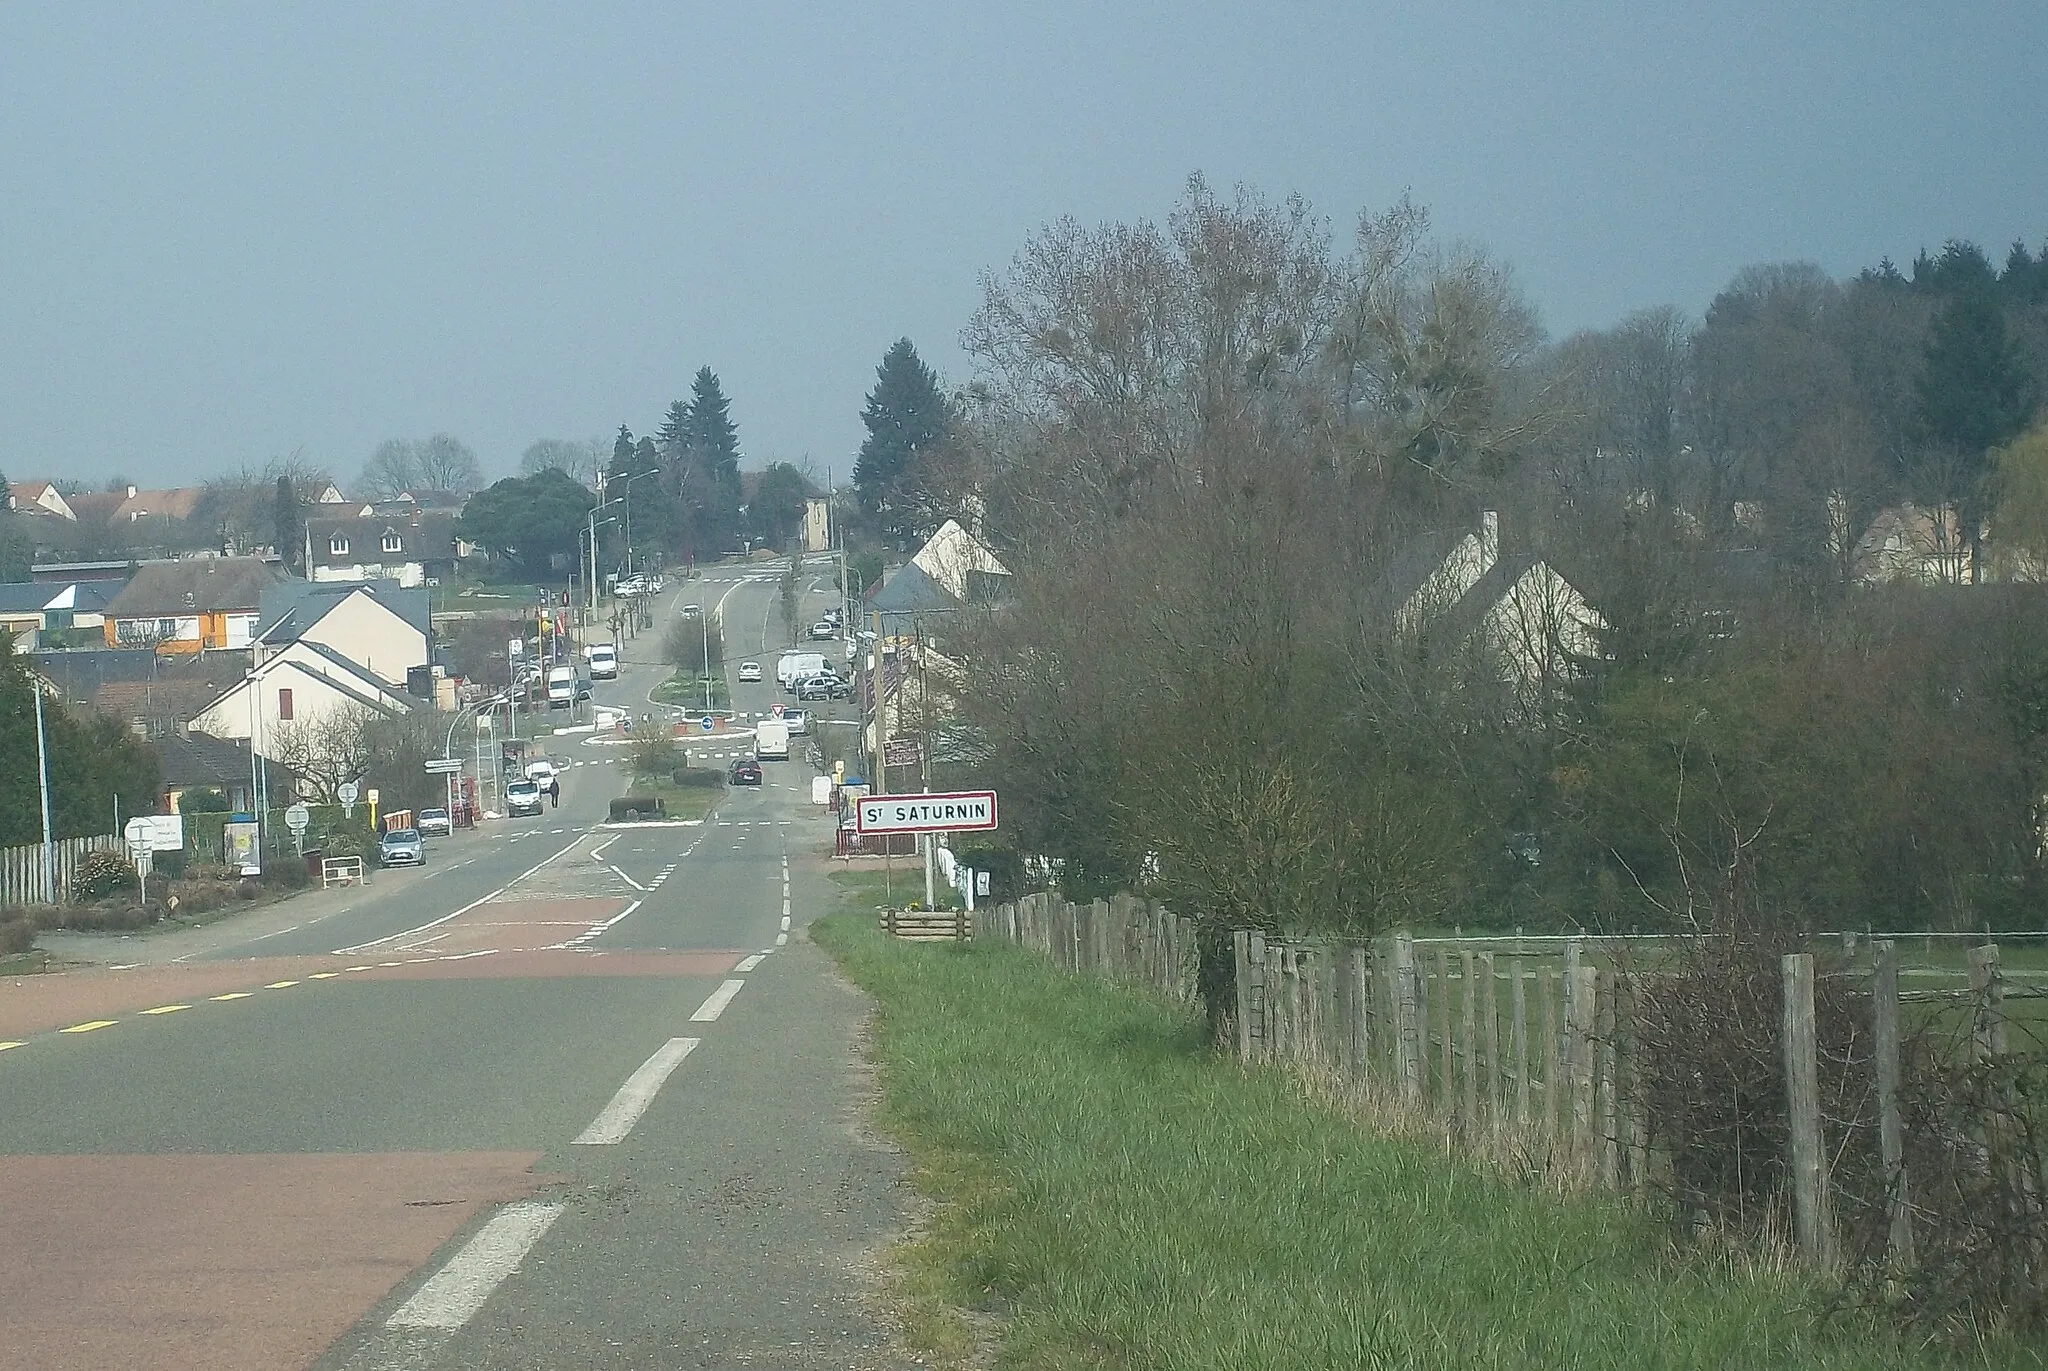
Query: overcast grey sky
x=229, y=231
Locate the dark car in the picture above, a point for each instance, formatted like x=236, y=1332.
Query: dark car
x=744, y=771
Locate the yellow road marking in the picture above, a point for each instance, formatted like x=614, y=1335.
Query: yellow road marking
x=233, y=995
x=279, y=985
x=323, y=975
x=167, y=1009
x=5, y=1046
x=89, y=1027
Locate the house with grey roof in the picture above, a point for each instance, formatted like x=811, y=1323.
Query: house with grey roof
x=382, y=627
x=189, y=605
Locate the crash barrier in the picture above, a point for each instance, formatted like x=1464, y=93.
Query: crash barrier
x=336, y=871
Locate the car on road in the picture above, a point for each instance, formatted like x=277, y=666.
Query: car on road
x=402, y=847
x=690, y=611
x=824, y=628
x=434, y=822
x=744, y=771
x=798, y=722
x=522, y=797
x=825, y=687
x=604, y=662
x=750, y=671
x=834, y=617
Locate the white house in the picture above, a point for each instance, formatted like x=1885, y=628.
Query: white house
x=379, y=626
x=295, y=688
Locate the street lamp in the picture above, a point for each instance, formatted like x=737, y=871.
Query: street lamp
x=606, y=504
x=596, y=524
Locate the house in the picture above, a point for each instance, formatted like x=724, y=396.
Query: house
x=1517, y=608
x=1911, y=543
x=189, y=606
x=152, y=694
x=413, y=548
x=200, y=761
x=817, y=523
x=380, y=626
x=175, y=505
x=952, y=571
x=294, y=690
x=31, y=609
x=38, y=497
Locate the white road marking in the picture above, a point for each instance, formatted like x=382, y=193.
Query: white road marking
x=436, y=923
x=748, y=963
x=785, y=919
x=709, y=1011
x=627, y=879
x=781, y=939
x=452, y=1295
x=618, y=1117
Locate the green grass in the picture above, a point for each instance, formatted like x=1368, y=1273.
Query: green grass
x=686, y=688
x=1112, y=1194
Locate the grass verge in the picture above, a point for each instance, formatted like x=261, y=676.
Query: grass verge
x=1111, y=1194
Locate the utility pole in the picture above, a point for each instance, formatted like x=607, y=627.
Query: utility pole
x=43, y=768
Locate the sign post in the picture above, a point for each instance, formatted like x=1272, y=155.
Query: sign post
x=297, y=818
x=965, y=811
x=347, y=792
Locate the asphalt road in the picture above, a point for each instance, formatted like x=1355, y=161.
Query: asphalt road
x=571, y=1095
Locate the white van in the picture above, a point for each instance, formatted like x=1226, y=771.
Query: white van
x=604, y=662
x=561, y=687
x=771, y=740
x=798, y=666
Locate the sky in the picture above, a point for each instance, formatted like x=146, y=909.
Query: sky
x=235, y=231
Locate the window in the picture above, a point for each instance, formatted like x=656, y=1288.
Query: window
x=392, y=542
x=166, y=628
x=284, y=704
x=338, y=545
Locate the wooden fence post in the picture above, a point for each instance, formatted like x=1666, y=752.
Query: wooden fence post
x=1988, y=990
x=1581, y=993
x=1551, y=1050
x=1241, y=973
x=1607, y=1136
x=1891, y=1138
x=1468, y=1029
x=1448, y=1068
x=1362, y=1013
x=1261, y=1015
x=1489, y=1035
x=1812, y=1223
x=1518, y=999
x=1407, y=1033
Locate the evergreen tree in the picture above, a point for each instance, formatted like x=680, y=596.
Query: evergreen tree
x=288, y=525
x=93, y=759
x=906, y=416
x=1972, y=395
x=17, y=548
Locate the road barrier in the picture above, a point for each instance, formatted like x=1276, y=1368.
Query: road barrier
x=336, y=871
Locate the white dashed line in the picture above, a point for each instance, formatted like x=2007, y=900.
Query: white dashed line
x=709, y=1011
x=618, y=1117
x=451, y=1297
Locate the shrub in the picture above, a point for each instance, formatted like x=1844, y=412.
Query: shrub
x=17, y=934
x=631, y=808
x=203, y=802
x=101, y=874
x=655, y=754
x=697, y=778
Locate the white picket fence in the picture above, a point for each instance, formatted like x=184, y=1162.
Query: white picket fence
x=22, y=876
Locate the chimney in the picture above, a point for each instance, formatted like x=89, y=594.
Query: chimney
x=1489, y=541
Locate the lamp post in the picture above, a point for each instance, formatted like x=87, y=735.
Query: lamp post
x=596, y=524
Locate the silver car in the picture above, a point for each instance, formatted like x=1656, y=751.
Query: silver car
x=402, y=847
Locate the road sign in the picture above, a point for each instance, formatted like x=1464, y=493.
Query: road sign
x=444, y=766
x=297, y=818
x=901, y=752
x=156, y=832
x=778, y=711
x=953, y=812
x=707, y=723
x=346, y=792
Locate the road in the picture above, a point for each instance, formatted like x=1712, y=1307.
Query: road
x=569, y=1096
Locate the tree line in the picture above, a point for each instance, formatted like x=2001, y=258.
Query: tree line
x=1216, y=451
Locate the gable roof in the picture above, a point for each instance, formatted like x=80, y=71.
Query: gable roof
x=955, y=560
x=291, y=608
x=206, y=585
x=911, y=591
x=422, y=535
x=199, y=759
x=176, y=503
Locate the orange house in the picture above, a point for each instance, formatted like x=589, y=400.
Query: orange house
x=189, y=606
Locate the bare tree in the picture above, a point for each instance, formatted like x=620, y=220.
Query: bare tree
x=583, y=459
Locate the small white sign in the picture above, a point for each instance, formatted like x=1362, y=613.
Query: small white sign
x=156, y=832
x=346, y=792
x=297, y=818
x=956, y=812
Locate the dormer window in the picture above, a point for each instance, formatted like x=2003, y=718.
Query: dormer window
x=338, y=545
x=392, y=542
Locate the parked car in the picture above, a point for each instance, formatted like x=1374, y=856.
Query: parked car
x=434, y=822
x=402, y=847
x=826, y=687
x=824, y=628
x=834, y=617
x=604, y=662
x=750, y=671
x=744, y=771
x=798, y=721
x=522, y=797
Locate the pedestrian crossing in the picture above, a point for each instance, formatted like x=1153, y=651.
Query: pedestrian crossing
x=666, y=872
x=754, y=823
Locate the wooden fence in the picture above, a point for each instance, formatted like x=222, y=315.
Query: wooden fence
x=1126, y=939
x=22, y=876
x=1534, y=1049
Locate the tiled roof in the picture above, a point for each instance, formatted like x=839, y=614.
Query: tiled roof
x=201, y=585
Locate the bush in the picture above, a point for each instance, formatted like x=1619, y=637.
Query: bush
x=109, y=918
x=631, y=808
x=697, y=778
x=655, y=754
x=17, y=935
x=101, y=874
x=203, y=802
